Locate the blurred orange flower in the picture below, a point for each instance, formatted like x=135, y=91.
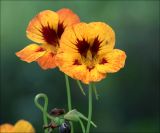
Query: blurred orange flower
x=46, y=29
x=86, y=52
x=21, y=126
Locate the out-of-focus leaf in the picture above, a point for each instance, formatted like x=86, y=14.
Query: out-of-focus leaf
x=74, y=115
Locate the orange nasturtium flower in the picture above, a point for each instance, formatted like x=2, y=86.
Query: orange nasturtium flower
x=21, y=126
x=46, y=29
x=87, y=52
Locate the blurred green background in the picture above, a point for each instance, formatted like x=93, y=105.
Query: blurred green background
x=128, y=99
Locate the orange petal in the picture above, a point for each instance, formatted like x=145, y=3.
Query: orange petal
x=82, y=73
x=31, y=53
x=23, y=126
x=47, y=61
x=43, y=27
x=67, y=17
x=71, y=35
x=112, y=62
x=6, y=128
x=105, y=34
x=96, y=31
x=95, y=76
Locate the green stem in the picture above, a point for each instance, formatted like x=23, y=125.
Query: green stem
x=80, y=86
x=95, y=91
x=82, y=126
x=69, y=98
x=57, y=120
x=44, y=110
x=68, y=93
x=89, y=108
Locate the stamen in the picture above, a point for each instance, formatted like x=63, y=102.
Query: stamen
x=90, y=68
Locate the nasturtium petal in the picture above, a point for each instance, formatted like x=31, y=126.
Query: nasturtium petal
x=67, y=17
x=47, y=60
x=105, y=35
x=43, y=27
x=23, y=126
x=6, y=128
x=115, y=60
x=31, y=53
x=96, y=76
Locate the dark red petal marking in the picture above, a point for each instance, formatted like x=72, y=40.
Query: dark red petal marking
x=52, y=54
x=60, y=29
x=50, y=35
x=40, y=49
x=83, y=46
x=76, y=62
x=95, y=46
x=103, y=61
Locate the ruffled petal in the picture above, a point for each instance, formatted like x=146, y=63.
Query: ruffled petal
x=105, y=35
x=95, y=76
x=71, y=35
x=43, y=27
x=47, y=61
x=71, y=65
x=112, y=62
x=23, y=126
x=78, y=72
x=6, y=128
x=97, y=35
x=67, y=17
x=31, y=53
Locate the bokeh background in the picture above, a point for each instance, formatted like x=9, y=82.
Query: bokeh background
x=128, y=99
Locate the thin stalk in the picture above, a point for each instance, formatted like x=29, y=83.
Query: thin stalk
x=89, y=108
x=69, y=99
x=68, y=93
x=44, y=110
x=80, y=86
x=82, y=126
x=95, y=91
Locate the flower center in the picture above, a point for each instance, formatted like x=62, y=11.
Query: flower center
x=88, y=51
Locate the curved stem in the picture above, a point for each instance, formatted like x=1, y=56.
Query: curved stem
x=57, y=120
x=89, y=108
x=81, y=88
x=44, y=110
x=82, y=126
x=69, y=98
